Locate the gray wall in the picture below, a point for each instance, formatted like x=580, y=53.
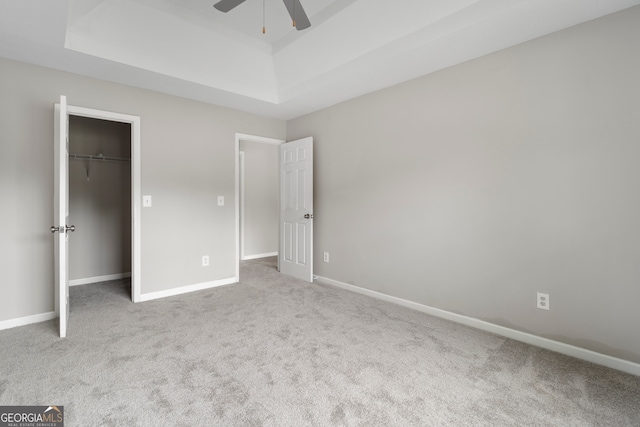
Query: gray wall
x=188, y=151
x=473, y=188
x=260, y=197
x=99, y=199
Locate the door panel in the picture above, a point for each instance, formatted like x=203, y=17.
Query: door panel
x=296, y=209
x=61, y=213
x=288, y=239
x=302, y=249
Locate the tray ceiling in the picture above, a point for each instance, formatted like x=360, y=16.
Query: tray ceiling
x=187, y=48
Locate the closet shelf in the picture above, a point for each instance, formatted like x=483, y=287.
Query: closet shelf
x=98, y=157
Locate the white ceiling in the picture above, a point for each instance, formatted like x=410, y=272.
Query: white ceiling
x=188, y=48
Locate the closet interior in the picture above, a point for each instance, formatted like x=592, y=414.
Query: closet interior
x=99, y=200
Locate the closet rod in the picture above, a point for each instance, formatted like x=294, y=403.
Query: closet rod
x=98, y=157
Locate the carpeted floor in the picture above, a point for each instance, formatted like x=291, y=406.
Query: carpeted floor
x=275, y=351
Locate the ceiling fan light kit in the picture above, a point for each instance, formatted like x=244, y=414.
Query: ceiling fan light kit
x=299, y=17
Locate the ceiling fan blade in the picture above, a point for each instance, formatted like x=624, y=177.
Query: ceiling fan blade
x=297, y=13
x=227, y=5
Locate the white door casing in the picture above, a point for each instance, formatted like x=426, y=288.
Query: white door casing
x=136, y=197
x=61, y=213
x=242, y=205
x=296, y=209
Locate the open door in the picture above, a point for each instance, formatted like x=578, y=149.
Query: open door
x=61, y=213
x=296, y=209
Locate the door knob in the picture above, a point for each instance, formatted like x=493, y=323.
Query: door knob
x=63, y=229
x=307, y=216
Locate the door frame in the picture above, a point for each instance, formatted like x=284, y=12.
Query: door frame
x=249, y=138
x=136, y=204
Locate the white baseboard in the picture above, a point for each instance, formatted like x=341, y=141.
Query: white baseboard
x=248, y=257
x=27, y=320
x=186, y=289
x=97, y=279
x=567, y=349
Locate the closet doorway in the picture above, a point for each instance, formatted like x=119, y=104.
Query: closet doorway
x=102, y=203
x=257, y=196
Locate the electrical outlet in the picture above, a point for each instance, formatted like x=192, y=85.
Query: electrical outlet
x=205, y=260
x=543, y=301
x=326, y=257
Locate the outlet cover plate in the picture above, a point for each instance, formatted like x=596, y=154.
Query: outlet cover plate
x=543, y=301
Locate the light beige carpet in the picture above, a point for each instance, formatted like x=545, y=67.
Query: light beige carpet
x=275, y=351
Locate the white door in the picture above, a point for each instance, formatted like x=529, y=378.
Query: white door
x=61, y=213
x=296, y=209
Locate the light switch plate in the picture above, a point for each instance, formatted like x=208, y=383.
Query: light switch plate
x=146, y=201
x=220, y=200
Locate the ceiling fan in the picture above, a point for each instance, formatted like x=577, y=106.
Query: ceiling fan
x=298, y=15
